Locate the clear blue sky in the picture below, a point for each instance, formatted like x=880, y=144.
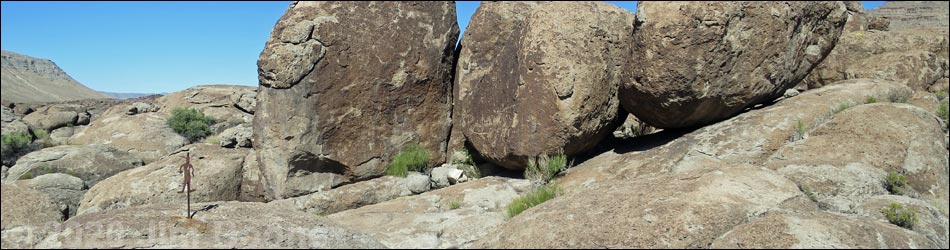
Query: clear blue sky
x=154, y=47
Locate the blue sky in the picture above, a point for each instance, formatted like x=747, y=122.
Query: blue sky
x=155, y=47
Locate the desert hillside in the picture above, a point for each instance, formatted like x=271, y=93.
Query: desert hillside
x=29, y=79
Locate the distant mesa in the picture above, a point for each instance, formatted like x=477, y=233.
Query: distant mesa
x=128, y=95
x=29, y=79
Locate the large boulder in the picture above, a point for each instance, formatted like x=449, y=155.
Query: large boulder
x=23, y=206
x=64, y=190
x=214, y=225
x=546, y=86
x=916, y=57
x=449, y=218
x=52, y=117
x=694, y=63
x=337, y=104
x=91, y=163
x=144, y=135
x=218, y=176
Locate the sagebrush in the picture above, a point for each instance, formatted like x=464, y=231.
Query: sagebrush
x=900, y=216
x=543, y=169
x=190, y=123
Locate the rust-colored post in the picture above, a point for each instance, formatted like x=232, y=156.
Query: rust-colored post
x=189, y=171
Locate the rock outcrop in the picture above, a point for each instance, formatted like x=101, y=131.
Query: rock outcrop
x=28, y=79
x=337, y=104
x=215, y=225
x=358, y=194
x=144, y=135
x=52, y=117
x=546, y=86
x=694, y=63
x=12, y=123
x=65, y=191
x=23, y=206
x=226, y=104
x=431, y=220
x=91, y=163
x=915, y=14
x=790, y=169
x=218, y=176
x=916, y=57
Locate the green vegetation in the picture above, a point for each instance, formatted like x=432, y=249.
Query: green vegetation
x=14, y=142
x=870, y=99
x=190, y=123
x=897, y=96
x=214, y=139
x=462, y=157
x=26, y=176
x=941, y=95
x=942, y=112
x=800, y=131
x=842, y=107
x=898, y=215
x=411, y=158
x=532, y=198
x=41, y=134
x=895, y=183
x=544, y=168
x=455, y=205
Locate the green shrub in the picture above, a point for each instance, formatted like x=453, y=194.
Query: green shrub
x=411, y=158
x=14, y=143
x=532, y=198
x=41, y=134
x=895, y=183
x=26, y=176
x=942, y=112
x=897, y=96
x=455, y=205
x=800, y=131
x=870, y=99
x=842, y=107
x=900, y=216
x=544, y=168
x=190, y=123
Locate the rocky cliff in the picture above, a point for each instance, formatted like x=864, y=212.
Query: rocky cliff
x=915, y=14
x=29, y=79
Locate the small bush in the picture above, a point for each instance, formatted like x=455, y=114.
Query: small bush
x=41, y=134
x=411, y=158
x=942, y=112
x=190, y=123
x=800, y=131
x=900, y=216
x=15, y=142
x=455, y=205
x=870, y=99
x=895, y=183
x=898, y=96
x=544, y=168
x=532, y=198
x=842, y=107
x=26, y=176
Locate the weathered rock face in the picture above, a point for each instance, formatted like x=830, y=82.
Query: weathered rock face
x=545, y=86
x=429, y=221
x=694, y=63
x=914, y=147
x=915, y=14
x=831, y=181
x=215, y=225
x=355, y=195
x=144, y=135
x=218, y=175
x=91, y=163
x=239, y=136
x=65, y=191
x=918, y=58
x=22, y=206
x=337, y=104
